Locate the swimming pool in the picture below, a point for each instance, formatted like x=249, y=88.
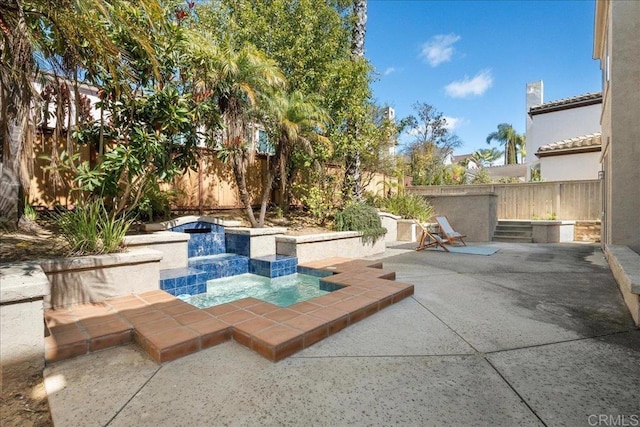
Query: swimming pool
x=281, y=291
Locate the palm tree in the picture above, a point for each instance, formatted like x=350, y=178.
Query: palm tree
x=239, y=79
x=486, y=156
x=511, y=140
x=353, y=175
x=40, y=34
x=297, y=121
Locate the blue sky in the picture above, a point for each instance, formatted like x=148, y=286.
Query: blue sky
x=472, y=60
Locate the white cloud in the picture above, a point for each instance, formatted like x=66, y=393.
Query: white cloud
x=453, y=123
x=475, y=86
x=388, y=71
x=439, y=49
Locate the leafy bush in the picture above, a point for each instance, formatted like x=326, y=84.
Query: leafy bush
x=90, y=229
x=409, y=206
x=155, y=204
x=362, y=218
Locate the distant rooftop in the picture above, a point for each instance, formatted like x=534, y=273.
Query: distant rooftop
x=579, y=144
x=566, y=103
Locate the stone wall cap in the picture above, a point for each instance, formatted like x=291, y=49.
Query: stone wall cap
x=389, y=215
x=159, y=226
x=264, y=231
x=131, y=256
x=629, y=262
x=319, y=237
x=156, y=238
x=465, y=194
x=22, y=281
x=552, y=222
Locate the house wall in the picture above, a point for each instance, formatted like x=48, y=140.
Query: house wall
x=618, y=37
x=567, y=167
x=558, y=125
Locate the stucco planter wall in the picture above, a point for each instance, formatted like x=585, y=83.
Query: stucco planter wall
x=22, y=288
x=94, y=278
x=390, y=222
x=312, y=247
x=407, y=230
x=475, y=215
x=173, y=246
x=554, y=231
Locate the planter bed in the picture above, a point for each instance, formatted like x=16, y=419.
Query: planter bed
x=312, y=247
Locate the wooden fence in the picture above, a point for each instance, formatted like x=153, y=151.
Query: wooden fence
x=570, y=200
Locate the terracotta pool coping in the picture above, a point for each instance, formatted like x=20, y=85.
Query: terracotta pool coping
x=168, y=328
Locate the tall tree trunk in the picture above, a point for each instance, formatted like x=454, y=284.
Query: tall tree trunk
x=239, y=173
x=359, y=28
x=352, y=187
x=16, y=125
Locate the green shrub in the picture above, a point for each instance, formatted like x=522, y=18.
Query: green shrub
x=362, y=218
x=409, y=206
x=155, y=204
x=30, y=212
x=90, y=229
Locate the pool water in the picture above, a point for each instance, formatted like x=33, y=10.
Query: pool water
x=281, y=291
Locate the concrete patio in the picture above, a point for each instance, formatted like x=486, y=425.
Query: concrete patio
x=532, y=335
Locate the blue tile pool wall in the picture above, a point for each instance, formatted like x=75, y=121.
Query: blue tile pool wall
x=218, y=267
x=238, y=244
x=179, y=281
x=273, y=265
x=314, y=272
x=206, y=238
x=328, y=286
x=325, y=286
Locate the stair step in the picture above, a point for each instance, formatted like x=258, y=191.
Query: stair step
x=512, y=239
x=513, y=227
x=183, y=280
x=514, y=222
x=221, y=265
x=516, y=233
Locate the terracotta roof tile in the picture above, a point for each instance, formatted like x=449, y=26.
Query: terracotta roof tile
x=561, y=104
x=583, y=143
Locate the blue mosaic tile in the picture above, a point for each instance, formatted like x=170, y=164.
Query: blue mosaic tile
x=314, y=272
x=273, y=265
x=238, y=244
x=216, y=267
x=328, y=286
x=178, y=281
x=205, y=238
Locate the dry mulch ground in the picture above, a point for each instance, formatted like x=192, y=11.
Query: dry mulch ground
x=23, y=399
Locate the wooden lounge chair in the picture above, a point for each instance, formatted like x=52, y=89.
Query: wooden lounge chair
x=450, y=235
x=433, y=239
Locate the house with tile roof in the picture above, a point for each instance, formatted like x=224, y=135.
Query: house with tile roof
x=563, y=136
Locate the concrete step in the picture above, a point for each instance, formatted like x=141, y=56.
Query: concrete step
x=513, y=233
x=508, y=228
x=512, y=239
x=514, y=222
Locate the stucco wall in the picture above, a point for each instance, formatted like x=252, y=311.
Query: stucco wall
x=570, y=167
x=621, y=127
x=558, y=125
x=475, y=215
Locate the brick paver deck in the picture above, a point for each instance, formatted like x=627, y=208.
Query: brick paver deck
x=168, y=328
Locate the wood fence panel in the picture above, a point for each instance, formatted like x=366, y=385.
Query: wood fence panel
x=570, y=200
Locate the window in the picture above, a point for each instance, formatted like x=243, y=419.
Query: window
x=264, y=145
